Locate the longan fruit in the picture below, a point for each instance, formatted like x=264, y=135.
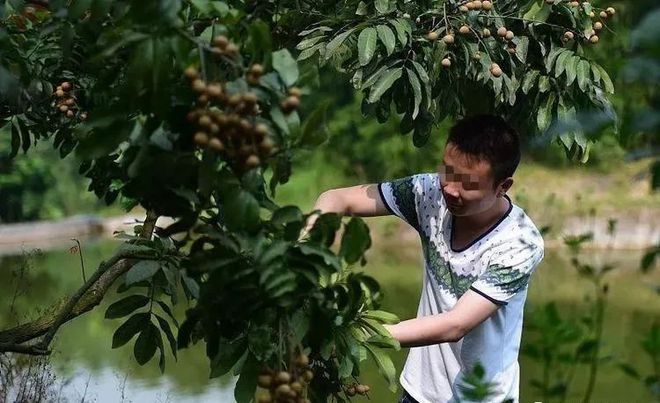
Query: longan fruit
x=487, y=5
x=446, y=62
x=448, y=39
x=59, y=93
x=198, y=85
x=501, y=31
x=283, y=377
x=485, y=33
x=509, y=35
x=610, y=10
x=598, y=25
x=603, y=14
x=464, y=29
x=221, y=41
x=594, y=39
x=201, y=138
x=432, y=36
x=191, y=73
x=66, y=86
x=217, y=145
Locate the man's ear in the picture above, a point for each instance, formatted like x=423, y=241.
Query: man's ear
x=504, y=186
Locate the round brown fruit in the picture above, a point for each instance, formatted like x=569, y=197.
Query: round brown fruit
x=477, y=4
x=470, y=5
x=214, y=90
x=446, y=62
x=205, y=121
x=264, y=380
x=69, y=101
x=512, y=50
x=603, y=14
x=264, y=399
x=284, y=389
x=203, y=99
x=598, y=25
x=198, y=86
x=308, y=375
x=232, y=49
x=64, y=108
x=221, y=41
x=501, y=31
x=610, y=10
x=83, y=116
x=257, y=69
x=302, y=360
x=569, y=35
x=69, y=113
x=350, y=391
x=217, y=145
x=201, y=138
x=592, y=14
x=296, y=386
x=59, y=93
x=464, y=30
x=267, y=145
x=283, y=377
x=463, y=9
x=574, y=4
x=66, y=86
x=432, y=36
x=485, y=33
x=509, y=35
x=253, y=161
x=594, y=39
x=295, y=91
x=476, y=56
x=252, y=79
x=487, y=5
x=448, y=39
x=190, y=73
x=495, y=70
x=234, y=100
x=361, y=389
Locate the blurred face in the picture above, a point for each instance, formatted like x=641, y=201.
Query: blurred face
x=467, y=185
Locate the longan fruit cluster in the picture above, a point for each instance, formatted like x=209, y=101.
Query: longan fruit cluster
x=222, y=46
x=356, y=389
x=66, y=101
x=285, y=386
x=230, y=129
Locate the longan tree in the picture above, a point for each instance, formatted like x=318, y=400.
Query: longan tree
x=191, y=110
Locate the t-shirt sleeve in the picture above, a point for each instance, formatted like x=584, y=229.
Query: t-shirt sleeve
x=508, y=271
x=409, y=197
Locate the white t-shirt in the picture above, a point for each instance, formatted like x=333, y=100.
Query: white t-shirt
x=497, y=265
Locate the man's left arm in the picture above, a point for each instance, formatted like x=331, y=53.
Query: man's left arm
x=470, y=310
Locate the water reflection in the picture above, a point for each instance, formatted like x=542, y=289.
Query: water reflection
x=84, y=357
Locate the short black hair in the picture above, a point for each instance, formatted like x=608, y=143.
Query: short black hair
x=489, y=138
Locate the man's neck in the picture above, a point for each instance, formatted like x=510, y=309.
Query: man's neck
x=483, y=220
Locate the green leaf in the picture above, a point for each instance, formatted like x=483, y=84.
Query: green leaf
x=530, y=80
x=125, y=306
x=15, y=141
x=309, y=42
x=128, y=329
x=336, y=42
x=247, y=381
x=229, y=352
x=382, y=316
x=544, y=116
x=386, y=36
x=314, y=131
x=165, y=327
x=417, y=91
x=307, y=53
x=402, y=29
x=571, y=69
x=382, y=6
x=583, y=77
x=355, y=240
x=385, y=365
x=423, y=75
x=168, y=311
x=552, y=56
x=146, y=344
x=562, y=61
x=384, y=342
x=241, y=210
x=366, y=45
x=286, y=66
x=607, y=82
x=142, y=270
x=386, y=80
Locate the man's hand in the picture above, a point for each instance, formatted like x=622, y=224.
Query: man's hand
x=470, y=310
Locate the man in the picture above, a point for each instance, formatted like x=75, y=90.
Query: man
x=479, y=250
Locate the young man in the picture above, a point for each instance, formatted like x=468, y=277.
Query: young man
x=479, y=250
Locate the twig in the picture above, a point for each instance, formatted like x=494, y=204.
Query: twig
x=82, y=262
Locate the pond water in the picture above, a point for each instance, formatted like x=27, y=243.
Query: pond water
x=84, y=364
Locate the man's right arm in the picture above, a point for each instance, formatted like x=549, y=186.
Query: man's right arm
x=360, y=200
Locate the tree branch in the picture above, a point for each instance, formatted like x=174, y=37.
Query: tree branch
x=83, y=300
